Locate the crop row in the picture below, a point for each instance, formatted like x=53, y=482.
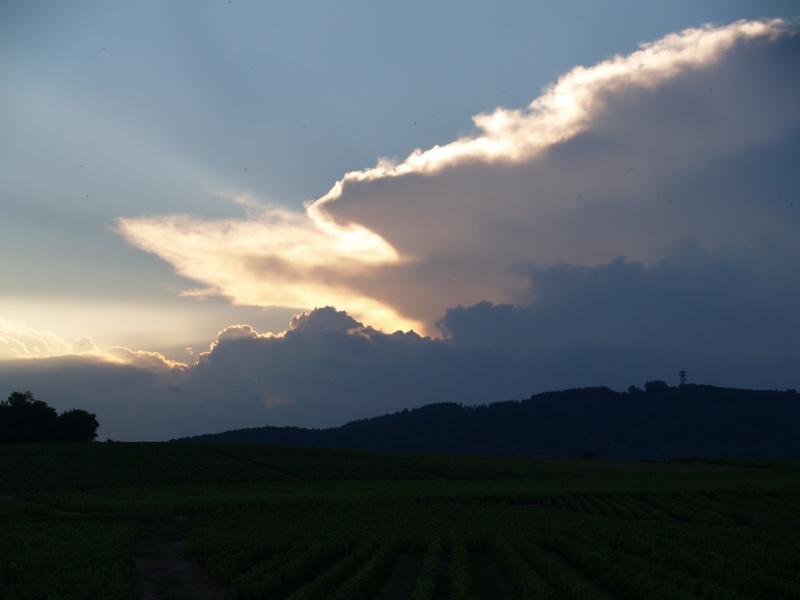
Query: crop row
x=545, y=553
x=307, y=547
x=723, y=508
x=308, y=523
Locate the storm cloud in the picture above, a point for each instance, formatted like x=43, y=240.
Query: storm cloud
x=624, y=158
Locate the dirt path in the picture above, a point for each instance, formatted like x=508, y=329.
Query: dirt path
x=443, y=579
x=488, y=580
x=402, y=578
x=161, y=570
x=163, y=573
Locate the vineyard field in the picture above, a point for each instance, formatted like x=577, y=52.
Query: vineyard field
x=270, y=522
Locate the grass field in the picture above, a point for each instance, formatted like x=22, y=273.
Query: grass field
x=127, y=520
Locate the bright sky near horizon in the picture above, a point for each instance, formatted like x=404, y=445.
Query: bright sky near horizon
x=549, y=194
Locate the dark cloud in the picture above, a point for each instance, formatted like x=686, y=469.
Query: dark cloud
x=324, y=371
x=693, y=308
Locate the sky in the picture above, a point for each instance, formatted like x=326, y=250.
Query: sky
x=227, y=214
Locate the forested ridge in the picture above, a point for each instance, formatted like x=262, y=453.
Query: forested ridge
x=658, y=421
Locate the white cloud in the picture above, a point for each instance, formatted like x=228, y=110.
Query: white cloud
x=295, y=259
x=84, y=344
x=324, y=319
x=140, y=358
x=18, y=341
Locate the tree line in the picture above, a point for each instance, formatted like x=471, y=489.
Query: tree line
x=24, y=419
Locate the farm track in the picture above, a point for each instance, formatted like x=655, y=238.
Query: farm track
x=162, y=572
x=401, y=580
x=490, y=583
x=443, y=579
x=579, y=574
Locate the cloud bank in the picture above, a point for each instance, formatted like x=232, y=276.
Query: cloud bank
x=327, y=368
x=639, y=217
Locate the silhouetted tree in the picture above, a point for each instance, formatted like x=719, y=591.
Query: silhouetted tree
x=23, y=419
x=76, y=425
x=655, y=386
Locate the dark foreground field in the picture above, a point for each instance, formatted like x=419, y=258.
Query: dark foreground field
x=124, y=520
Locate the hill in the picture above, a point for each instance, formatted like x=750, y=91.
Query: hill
x=654, y=423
